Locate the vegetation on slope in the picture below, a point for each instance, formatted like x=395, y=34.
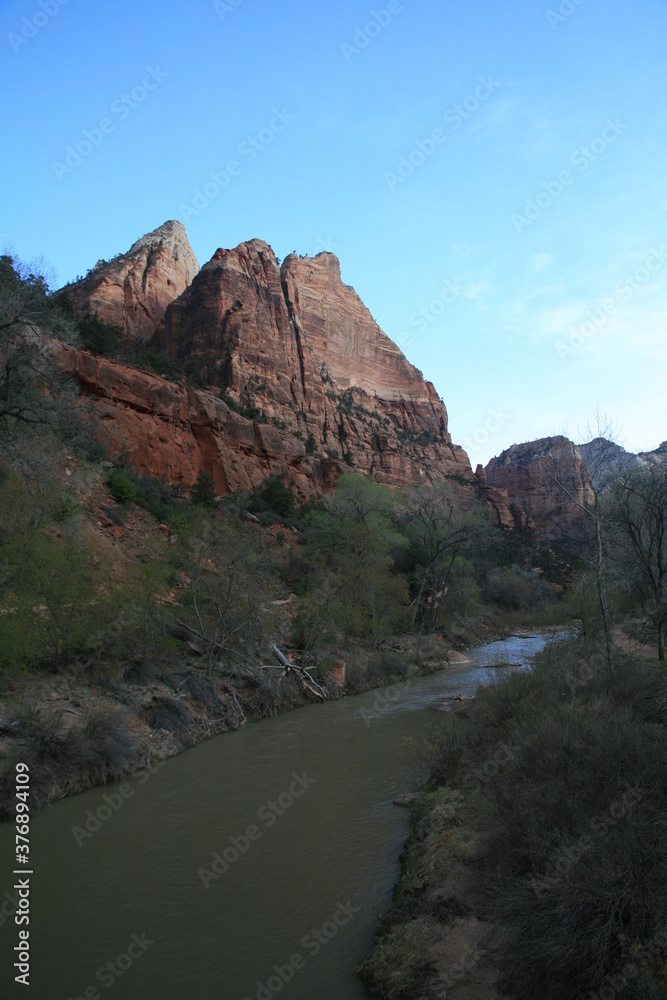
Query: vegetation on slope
x=539, y=841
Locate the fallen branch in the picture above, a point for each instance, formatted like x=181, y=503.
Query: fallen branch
x=231, y=690
x=313, y=687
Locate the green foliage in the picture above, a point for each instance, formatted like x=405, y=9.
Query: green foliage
x=97, y=454
x=274, y=497
x=351, y=589
x=311, y=444
x=52, y=591
x=158, y=362
x=121, y=487
x=99, y=337
x=203, y=491
x=127, y=487
x=246, y=410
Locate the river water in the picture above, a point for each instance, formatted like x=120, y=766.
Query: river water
x=299, y=812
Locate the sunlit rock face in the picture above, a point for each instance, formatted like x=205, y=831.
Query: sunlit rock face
x=301, y=381
x=133, y=290
x=298, y=344
x=538, y=476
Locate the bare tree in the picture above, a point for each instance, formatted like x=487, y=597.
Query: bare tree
x=30, y=379
x=588, y=498
x=442, y=532
x=637, y=509
x=230, y=581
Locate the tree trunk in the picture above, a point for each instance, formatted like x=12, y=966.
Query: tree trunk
x=602, y=594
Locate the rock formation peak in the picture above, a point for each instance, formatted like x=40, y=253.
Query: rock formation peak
x=526, y=472
x=133, y=290
x=301, y=381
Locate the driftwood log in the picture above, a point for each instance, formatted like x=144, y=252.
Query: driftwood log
x=305, y=679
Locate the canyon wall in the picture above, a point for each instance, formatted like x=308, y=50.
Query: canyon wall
x=299, y=378
x=132, y=291
x=538, y=476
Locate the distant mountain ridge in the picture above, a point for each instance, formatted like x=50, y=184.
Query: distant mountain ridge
x=526, y=473
x=603, y=457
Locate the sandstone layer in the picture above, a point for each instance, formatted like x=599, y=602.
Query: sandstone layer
x=171, y=431
x=300, y=379
x=546, y=479
x=133, y=290
x=297, y=344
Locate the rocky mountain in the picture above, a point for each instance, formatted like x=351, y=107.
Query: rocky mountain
x=528, y=473
x=133, y=290
x=300, y=380
x=605, y=457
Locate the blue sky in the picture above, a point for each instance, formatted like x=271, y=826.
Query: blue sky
x=492, y=176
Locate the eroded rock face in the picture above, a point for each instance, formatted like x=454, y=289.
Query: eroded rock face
x=171, y=431
x=133, y=290
x=302, y=381
x=605, y=458
x=531, y=473
x=297, y=344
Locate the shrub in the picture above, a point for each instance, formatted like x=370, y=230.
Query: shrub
x=518, y=589
x=168, y=714
x=197, y=687
x=311, y=444
x=97, y=454
x=99, y=337
x=63, y=758
x=203, y=491
x=268, y=695
x=274, y=497
x=560, y=779
x=121, y=487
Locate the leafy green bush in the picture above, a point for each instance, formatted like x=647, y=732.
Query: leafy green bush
x=311, y=444
x=121, y=487
x=274, y=497
x=154, y=495
x=203, y=491
x=99, y=337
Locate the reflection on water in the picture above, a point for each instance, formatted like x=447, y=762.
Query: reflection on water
x=255, y=864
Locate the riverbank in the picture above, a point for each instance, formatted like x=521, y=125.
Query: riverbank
x=77, y=732
x=533, y=868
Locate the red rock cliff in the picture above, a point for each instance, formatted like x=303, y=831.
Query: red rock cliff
x=133, y=290
x=526, y=472
x=299, y=345
x=292, y=348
